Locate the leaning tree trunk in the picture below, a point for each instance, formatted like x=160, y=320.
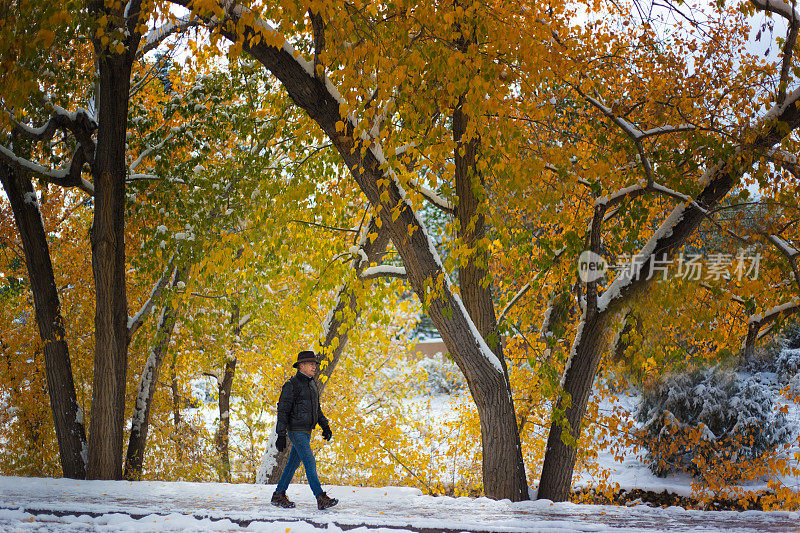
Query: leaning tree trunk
x=503, y=475
x=67, y=416
x=341, y=319
x=561, y=451
x=140, y=420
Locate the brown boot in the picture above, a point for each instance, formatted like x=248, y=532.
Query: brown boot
x=279, y=499
x=324, y=501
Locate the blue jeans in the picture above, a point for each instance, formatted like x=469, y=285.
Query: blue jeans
x=301, y=451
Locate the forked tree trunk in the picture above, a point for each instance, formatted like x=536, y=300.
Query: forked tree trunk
x=140, y=420
x=67, y=416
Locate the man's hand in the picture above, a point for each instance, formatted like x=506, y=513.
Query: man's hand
x=280, y=443
x=327, y=433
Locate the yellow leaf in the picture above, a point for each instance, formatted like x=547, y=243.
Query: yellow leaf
x=46, y=37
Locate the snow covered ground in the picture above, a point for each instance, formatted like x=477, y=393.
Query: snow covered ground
x=44, y=505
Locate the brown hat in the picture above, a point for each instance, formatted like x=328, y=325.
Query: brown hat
x=306, y=356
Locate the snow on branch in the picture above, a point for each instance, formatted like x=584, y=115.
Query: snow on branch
x=64, y=177
x=520, y=293
x=381, y=117
x=661, y=130
x=156, y=36
x=639, y=189
x=784, y=246
x=149, y=150
x=244, y=320
x=135, y=322
x=432, y=197
x=775, y=312
x=383, y=271
x=79, y=122
x=628, y=276
x=780, y=7
x=782, y=107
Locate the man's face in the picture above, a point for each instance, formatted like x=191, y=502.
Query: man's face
x=308, y=368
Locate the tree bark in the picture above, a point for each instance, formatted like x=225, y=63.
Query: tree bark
x=140, y=420
x=503, y=468
x=561, y=452
x=109, y=171
x=108, y=266
x=67, y=416
x=176, y=407
x=222, y=438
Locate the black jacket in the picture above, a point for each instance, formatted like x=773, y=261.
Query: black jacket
x=298, y=406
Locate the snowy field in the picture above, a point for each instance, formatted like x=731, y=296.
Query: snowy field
x=44, y=505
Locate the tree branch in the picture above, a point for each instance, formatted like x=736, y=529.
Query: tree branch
x=135, y=322
x=156, y=36
x=64, y=177
x=383, y=271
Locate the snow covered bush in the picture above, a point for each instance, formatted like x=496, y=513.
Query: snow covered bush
x=710, y=423
x=792, y=334
x=442, y=375
x=794, y=386
x=787, y=363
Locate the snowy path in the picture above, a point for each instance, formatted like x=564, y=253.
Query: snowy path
x=37, y=504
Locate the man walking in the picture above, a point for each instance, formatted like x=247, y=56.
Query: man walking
x=298, y=414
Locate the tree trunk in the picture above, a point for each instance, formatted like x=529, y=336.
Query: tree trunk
x=67, y=416
x=140, y=420
x=559, y=460
x=222, y=438
x=109, y=171
x=176, y=407
x=108, y=266
x=502, y=464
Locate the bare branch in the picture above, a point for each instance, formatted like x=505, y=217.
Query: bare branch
x=321, y=225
